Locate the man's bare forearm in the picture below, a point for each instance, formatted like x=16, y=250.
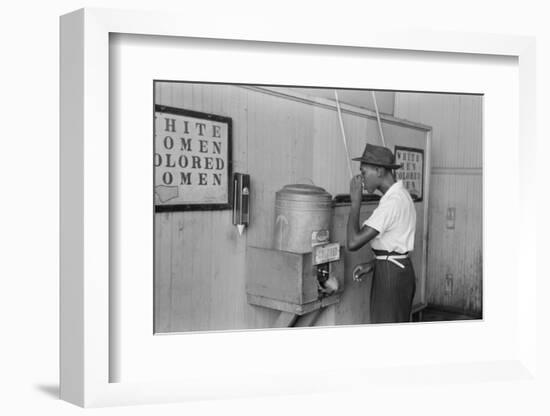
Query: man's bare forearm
x=353, y=225
x=358, y=235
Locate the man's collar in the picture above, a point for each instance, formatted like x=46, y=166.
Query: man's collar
x=397, y=185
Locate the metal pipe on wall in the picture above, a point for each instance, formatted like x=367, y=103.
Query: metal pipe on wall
x=343, y=132
x=378, y=119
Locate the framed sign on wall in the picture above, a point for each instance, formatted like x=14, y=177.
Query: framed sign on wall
x=192, y=160
x=412, y=172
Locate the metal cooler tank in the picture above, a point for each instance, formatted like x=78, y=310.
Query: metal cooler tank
x=302, y=217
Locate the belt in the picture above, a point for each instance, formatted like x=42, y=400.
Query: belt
x=393, y=259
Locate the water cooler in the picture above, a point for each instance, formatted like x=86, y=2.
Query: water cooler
x=303, y=271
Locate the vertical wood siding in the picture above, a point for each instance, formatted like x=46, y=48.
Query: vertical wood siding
x=454, y=255
x=200, y=261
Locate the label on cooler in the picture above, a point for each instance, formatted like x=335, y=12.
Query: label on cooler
x=325, y=253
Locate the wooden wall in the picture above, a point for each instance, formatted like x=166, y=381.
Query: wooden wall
x=454, y=253
x=200, y=257
x=277, y=139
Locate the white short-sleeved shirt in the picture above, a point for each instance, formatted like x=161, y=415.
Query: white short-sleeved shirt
x=395, y=220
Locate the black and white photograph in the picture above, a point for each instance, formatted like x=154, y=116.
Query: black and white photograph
x=300, y=206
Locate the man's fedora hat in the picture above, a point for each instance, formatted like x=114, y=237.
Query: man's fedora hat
x=378, y=156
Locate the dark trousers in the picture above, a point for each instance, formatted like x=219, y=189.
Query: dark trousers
x=392, y=291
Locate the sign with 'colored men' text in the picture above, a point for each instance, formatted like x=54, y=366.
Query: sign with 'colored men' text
x=192, y=160
x=412, y=172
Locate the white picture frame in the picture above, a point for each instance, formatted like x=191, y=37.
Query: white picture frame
x=85, y=222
